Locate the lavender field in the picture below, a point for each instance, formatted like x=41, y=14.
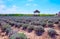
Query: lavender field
x=29, y=27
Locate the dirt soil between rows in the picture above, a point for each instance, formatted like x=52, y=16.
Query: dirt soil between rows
x=32, y=35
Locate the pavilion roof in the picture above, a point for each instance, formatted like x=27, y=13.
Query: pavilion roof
x=36, y=11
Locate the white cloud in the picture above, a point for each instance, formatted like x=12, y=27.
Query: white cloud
x=13, y=9
x=2, y=6
x=28, y=4
x=35, y=4
x=31, y=5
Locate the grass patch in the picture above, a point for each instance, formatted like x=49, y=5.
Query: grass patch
x=26, y=15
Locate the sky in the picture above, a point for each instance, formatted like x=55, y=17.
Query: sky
x=28, y=6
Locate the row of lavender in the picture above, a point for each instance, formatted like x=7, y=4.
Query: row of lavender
x=38, y=24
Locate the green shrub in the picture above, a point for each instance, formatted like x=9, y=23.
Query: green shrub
x=19, y=25
x=12, y=24
x=5, y=26
x=58, y=19
x=30, y=28
x=35, y=23
x=8, y=30
x=50, y=24
x=59, y=26
x=39, y=30
x=56, y=22
x=0, y=25
x=52, y=32
x=50, y=21
x=18, y=36
x=24, y=26
x=43, y=24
